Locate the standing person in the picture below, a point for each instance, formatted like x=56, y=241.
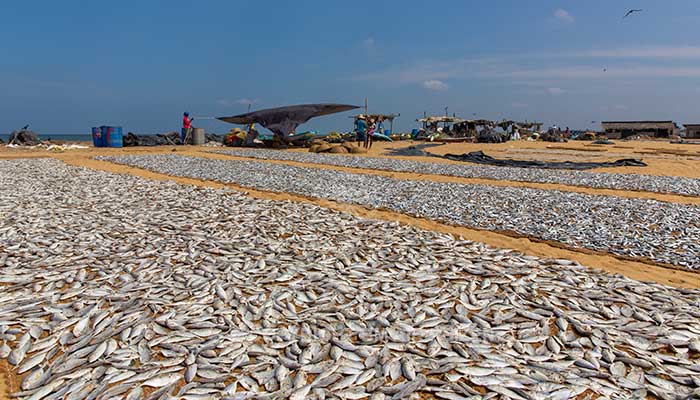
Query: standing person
x=370, y=134
x=517, y=134
x=380, y=125
x=251, y=135
x=360, y=130
x=186, y=126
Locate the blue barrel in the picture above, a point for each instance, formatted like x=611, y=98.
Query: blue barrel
x=113, y=136
x=387, y=132
x=97, y=137
x=415, y=133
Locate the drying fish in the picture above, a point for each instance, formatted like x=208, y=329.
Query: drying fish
x=120, y=287
x=616, y=225
x=648, y=183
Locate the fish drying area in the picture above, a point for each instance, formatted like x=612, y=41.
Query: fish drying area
x=635, y=182
x=664, y=232
x=121, y=287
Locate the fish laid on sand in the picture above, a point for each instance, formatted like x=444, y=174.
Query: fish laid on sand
x=116, y=287
x=637, y=182
x=660, y=231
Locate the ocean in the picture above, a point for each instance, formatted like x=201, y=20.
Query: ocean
x=64, y=137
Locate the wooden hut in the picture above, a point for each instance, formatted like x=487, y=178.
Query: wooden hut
x=692, y=131
x=624, y=129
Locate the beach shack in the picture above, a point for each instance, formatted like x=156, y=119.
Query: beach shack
x=692, y=131
x=432, y=123
x=625, y=129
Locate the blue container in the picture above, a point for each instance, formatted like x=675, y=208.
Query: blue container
x=415, y=133
x=113, y=136
x=387, y=132
x=97, y=137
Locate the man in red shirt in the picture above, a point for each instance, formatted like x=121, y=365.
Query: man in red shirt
x=186, y=126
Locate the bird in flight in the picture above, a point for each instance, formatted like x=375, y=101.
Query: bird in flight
x=632, y=11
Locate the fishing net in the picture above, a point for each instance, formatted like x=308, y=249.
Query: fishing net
x=478, y=157
x=24, y=137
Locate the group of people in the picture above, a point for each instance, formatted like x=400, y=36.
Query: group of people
x=364, y=130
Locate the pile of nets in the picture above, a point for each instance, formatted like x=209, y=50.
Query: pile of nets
x=490, y=136
x=24, y=137
x=586, y=136
x=162, y=139
x=478, y=157
x=553, y=135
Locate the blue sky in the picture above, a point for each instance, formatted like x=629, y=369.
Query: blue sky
x=69, y=65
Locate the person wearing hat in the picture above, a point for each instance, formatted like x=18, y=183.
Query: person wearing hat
x=186, y=126
x=360, y=130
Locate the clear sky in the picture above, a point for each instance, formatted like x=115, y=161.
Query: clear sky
x=68, y=65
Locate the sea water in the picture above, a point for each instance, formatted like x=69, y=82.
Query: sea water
x=64, y=137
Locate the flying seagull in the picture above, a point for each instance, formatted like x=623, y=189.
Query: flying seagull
x=632, y=11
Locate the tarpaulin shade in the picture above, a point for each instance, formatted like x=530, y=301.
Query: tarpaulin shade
x=283, y=121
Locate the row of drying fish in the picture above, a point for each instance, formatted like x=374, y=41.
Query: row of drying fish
x=636, y=182
x=645, y=229
x=115, y=287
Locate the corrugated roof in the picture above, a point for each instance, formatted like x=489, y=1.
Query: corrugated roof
x=638, y=125
x=636, y=122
